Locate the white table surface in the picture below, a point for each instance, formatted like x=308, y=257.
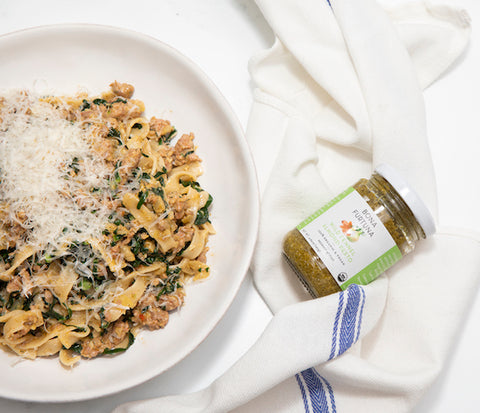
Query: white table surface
x=221, y=36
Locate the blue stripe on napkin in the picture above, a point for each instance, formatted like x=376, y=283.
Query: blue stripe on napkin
x=303, y=391
x=317, y=393
x=348, y=320
x=335, y=325
x=360, y=317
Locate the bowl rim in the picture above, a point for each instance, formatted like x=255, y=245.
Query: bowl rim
x=250, y=178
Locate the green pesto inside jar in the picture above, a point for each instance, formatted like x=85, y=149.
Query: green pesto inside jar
x=388, y=206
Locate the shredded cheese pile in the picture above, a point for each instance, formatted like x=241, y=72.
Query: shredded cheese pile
x=38, y=153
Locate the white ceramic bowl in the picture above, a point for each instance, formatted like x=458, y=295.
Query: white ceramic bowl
x=62, y=58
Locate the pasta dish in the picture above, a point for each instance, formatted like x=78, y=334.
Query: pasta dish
x=102, y=222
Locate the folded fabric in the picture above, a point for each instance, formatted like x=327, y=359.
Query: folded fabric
x=339, y=92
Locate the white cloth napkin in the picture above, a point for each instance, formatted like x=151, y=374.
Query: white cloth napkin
x=340, y=91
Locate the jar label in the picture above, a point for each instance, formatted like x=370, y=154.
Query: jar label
x=350, y=239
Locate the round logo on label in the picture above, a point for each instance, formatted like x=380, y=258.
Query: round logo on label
x=342, y=276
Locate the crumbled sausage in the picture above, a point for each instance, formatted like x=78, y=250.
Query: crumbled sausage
x=48, y=296
x=161, y=127
x=12, y=229
x=124, y=90
x=177, y=204
x=115, y=334
x=93, y=112
x=15, y=284
x=184, y=151
x=170, y=302
x=92, y=347
x=21, y=282
x=26, y=281
x=129, y=162
x=124, y=110
x=149, y=314
x=182, y=236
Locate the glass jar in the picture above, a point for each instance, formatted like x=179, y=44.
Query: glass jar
x=359, y=234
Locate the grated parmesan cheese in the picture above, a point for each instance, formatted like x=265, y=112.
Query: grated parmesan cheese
x=52, y=182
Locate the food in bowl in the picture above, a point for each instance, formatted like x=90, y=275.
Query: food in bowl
x=103, y=222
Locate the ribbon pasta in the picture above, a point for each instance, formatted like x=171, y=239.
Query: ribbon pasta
x=102, y=243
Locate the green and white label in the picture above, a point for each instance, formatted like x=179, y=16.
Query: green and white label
x=350, y=239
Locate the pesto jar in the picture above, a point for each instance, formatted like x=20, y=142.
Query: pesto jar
x=359, y=234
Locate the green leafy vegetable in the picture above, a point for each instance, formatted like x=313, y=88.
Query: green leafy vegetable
x=115, y=133
x=100, y=102
x=84, y=284
x=142, y=197
x=195, y=185
x=167, y=137
x=85, y=105
x=203, y=214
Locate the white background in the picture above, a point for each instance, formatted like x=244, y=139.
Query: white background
x=221, y=36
